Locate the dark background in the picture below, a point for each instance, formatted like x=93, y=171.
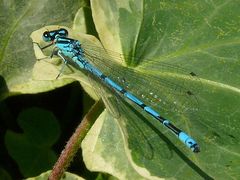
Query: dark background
x=65, y=103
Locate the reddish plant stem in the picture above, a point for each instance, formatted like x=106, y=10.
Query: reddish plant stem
x=75, y=140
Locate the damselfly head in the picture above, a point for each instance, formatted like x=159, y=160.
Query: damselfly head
x=51, y=35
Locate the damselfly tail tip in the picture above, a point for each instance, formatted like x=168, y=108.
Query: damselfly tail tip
x=196, y=148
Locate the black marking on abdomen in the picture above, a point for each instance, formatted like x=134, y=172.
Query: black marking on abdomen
x=123, y=91
x=103, y=76
x=143, y=105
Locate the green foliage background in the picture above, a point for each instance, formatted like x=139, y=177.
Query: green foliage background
x=202, y=36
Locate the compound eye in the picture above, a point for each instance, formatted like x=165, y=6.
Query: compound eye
x=63, y=32
x=46, y=36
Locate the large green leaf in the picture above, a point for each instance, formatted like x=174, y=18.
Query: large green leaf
x=18, y=19
x=197, y=35
x=200, y=36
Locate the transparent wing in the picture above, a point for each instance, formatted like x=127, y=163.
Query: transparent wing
x=133, y=125
x=165, y=87
x=106, y=94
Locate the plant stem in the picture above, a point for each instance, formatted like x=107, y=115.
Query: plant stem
x=75, y=140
